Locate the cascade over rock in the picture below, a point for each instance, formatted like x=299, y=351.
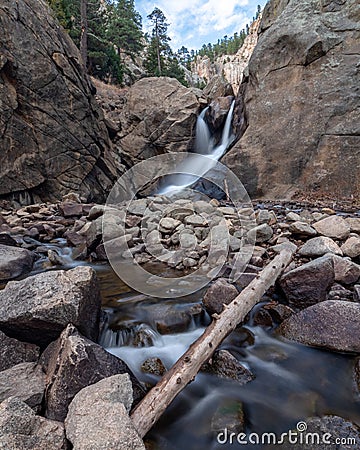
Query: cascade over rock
x=301, y=99
x=53, y=138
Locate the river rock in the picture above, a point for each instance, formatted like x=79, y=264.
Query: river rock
x=21, y=429
x=305, y=60
x=168, y=225
x=38, y=308
x=153, y=366
x=14, y=352
x=309, y=283
x=319, y=246
x=261, y=233
x=14, y=262
x=25, y=381
x=302, y=229
x=49, y=110
x=225, y=365
x=345, y=270
x=219, y=293
x=333, y=227
x=71, y=209
x=354, y=224
x=98, y=417
x=74, y=362
x=332, y=324
x=351, y=247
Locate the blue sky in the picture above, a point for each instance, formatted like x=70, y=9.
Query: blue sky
x=197, y=22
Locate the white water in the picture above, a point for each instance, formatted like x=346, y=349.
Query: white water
x=191, y=169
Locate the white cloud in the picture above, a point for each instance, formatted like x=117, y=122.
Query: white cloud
x=190, y=20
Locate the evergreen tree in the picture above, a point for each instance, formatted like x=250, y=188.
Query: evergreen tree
x=159, y=46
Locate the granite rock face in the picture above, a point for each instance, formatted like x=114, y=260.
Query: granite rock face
x=301, y=101
x=54, y=139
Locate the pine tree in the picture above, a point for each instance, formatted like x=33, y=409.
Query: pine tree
x=159, y=46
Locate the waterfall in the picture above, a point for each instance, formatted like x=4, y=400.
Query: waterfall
x=189, y=172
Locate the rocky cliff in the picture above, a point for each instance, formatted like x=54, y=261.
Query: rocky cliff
x=301, y=100
x=53, y=138
x=231, y=67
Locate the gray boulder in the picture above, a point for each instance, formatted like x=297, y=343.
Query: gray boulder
x=319, y=246
x=332, y=324
x=346, y=271
x=14, y=352
x=98, y=417
x=351, y=247
x=219, y=293
x=74, y=362
x=309, y=283
x=38, y=308
x=25, y=381
x=21, y=429
x=333, y=227
x=14, y=262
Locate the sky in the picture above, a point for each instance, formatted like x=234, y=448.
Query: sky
x=193, y=23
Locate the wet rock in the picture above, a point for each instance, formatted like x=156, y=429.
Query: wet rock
x=219, y=293
x=168, y=320
x=74, y=362
x=217, y=112
x=302, y=229
x=153, y=366
x=225, y=365
x=351, y=247
x=98, y=416
x=345, y=270
x=279, y=312
x=326, y=429
x=25, y=381
x=309, y=283
x=333, y=227
x=14, y=262
x=14, y=352
x=38, y=308
x=6, y=239
x=21, y=429
x=319, y=246
x=332, y=324
x=261, y=233
x=229, y=415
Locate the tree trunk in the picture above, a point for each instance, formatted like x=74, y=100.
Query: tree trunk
x=84, y=32
x=150, y=409
x=158, y=47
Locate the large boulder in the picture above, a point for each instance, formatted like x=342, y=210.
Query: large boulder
x=333, y=325
x=54, y=139
x=301, y=101
x=98, y=416
x=74, y=362
x=21, y=429
x=38, y=308
x=14, y=352
x=14, y=262
x=25, y=381
x=159, y=116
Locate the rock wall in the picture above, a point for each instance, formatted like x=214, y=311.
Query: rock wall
x=301, y=100
x=154, y=116
x=231, y=67
x=54, y=139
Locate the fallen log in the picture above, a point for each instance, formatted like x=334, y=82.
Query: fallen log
x=152, y=406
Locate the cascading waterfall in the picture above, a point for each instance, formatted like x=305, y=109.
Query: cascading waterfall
x=188, y=172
